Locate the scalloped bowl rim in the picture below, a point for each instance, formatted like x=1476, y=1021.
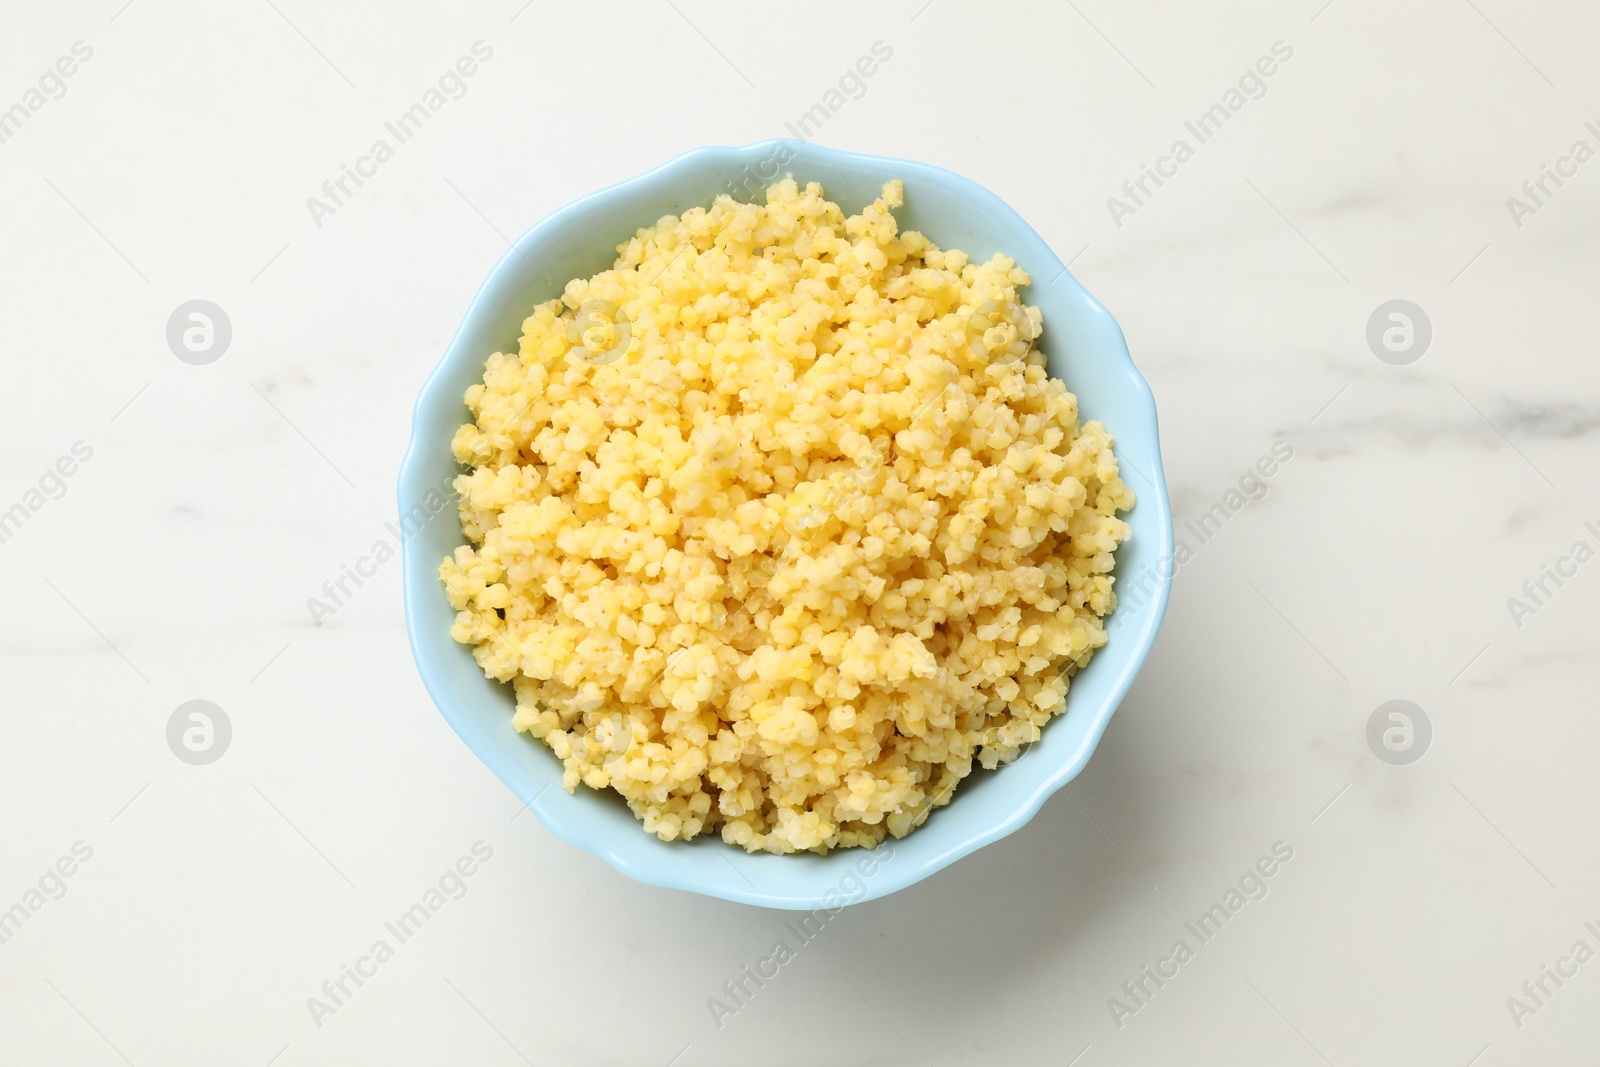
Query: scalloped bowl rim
x=728, y=875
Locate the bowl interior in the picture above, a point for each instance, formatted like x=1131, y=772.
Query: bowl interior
x=1084, y=347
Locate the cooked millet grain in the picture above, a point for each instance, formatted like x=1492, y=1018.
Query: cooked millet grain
x=776, y=530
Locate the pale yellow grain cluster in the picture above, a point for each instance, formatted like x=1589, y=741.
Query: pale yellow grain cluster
x=804, y=553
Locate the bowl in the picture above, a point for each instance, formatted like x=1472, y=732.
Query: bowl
x=1083, y=346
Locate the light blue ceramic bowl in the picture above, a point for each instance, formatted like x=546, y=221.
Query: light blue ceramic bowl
x=1085, y=348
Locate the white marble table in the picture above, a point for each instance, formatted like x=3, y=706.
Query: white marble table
x=172, y=557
